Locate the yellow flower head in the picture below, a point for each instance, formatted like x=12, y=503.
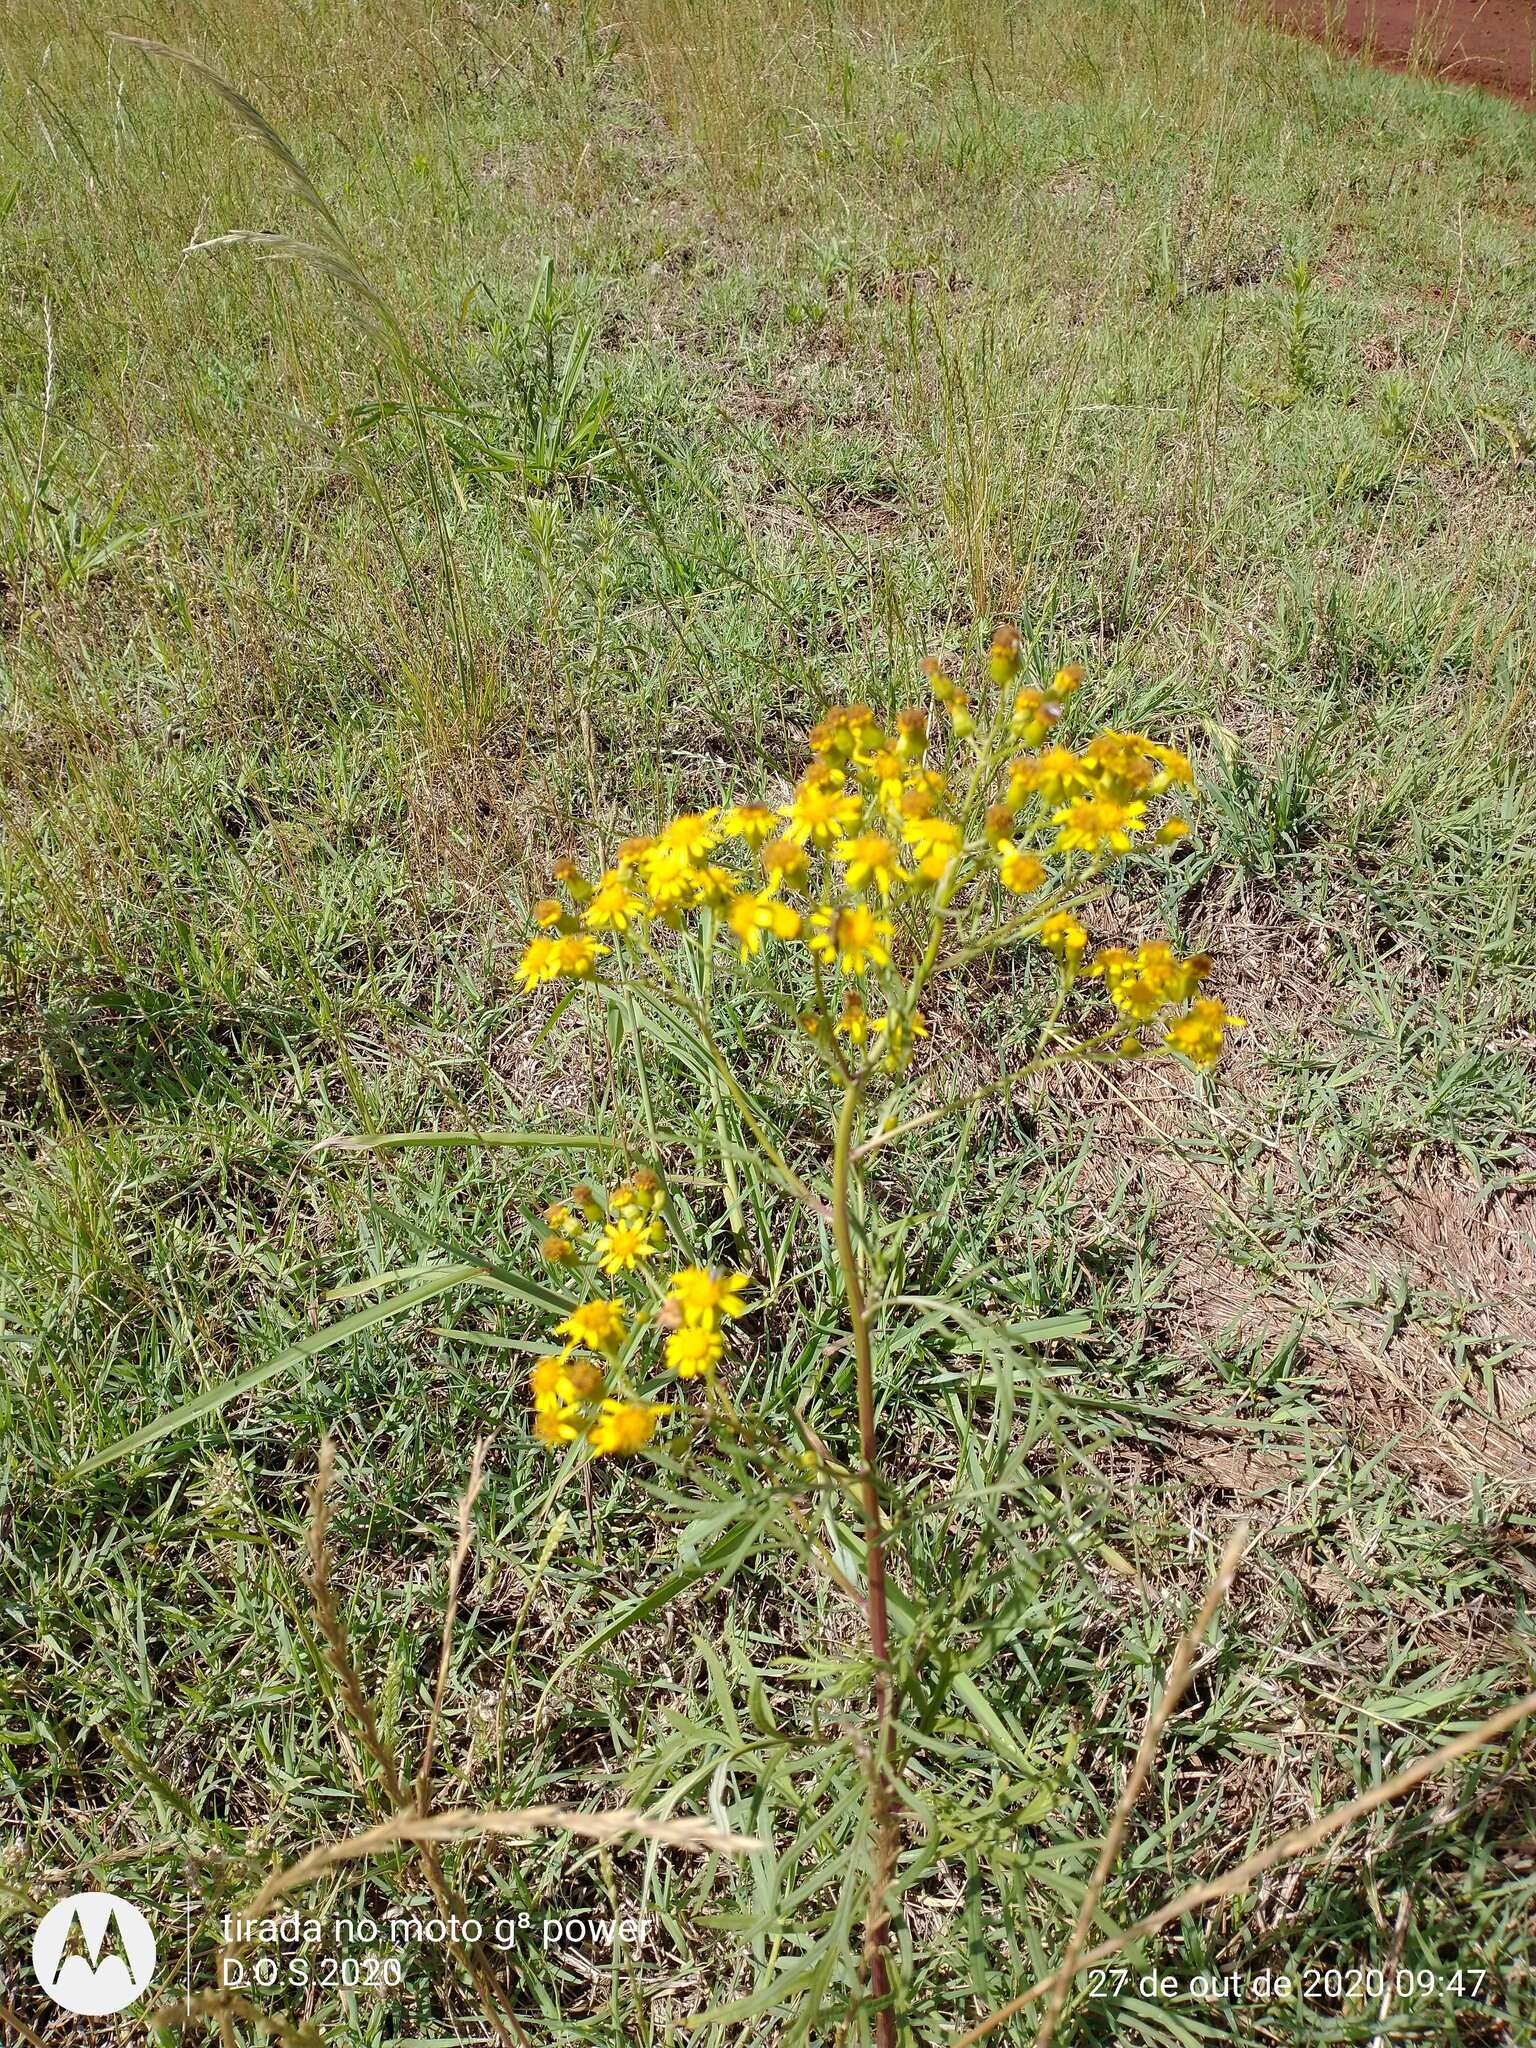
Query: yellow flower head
x=823, y=810
x=785, y=864
x=575, y=958
x=922, y=793
x=557, y=1425
x=1052, y=776
x=549, y=913
x=1019, y=872
x=871, y=863
x=1118, y=763
x=716, y=886
x=570, y=877
x=691, y=833
x=1140, y=999
x=752, y=822
x=624, y=1426
x=752, y=913
x=744, y=917
x=538, y=963
x=847, y=729
x=623, y=1245
x=885, y=770
x=1066, y=680
x=1034, y=716
x=855, y=938
x=704, y=1296
x=1139, y=987
x=1173, y=767
x=614, y=904
x=1171, y=831
x=599, y=1325
x=545, y=1379
x=854, y=1022
x=561, y=1387
x=639, y=1197
x=864, y=729
x=1199, y=1034
x=1098, y=824
x=673, y=878
x=935, y=841
x=1114, y=966
x=694, y=1352
x=633, y=851
x=561, y=1382
x=1062, y=935
x=1174, y=980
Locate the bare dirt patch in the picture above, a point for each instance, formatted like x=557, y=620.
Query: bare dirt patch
x=1487, y=43
x=1423, y=1324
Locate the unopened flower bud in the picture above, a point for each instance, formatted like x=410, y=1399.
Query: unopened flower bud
x=570, y=877
x=940, y=684
x=911, y=733
x=1004, y=655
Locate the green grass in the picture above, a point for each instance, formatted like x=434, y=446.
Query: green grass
x=1207, y=355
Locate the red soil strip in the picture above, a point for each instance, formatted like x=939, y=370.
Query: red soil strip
x=1490, y=43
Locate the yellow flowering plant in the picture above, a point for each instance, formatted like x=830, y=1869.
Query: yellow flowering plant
x=771, y=984
x=901, y=855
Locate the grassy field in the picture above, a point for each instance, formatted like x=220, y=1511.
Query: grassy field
x=772, y=347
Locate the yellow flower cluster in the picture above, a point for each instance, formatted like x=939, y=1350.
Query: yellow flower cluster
x=865, y=824
x=622, y=1233
x=883, y=840
x=696, y=1309
x=565, y=957
x=1143, y=984
x=586, y=1390
x=1097, y=799
x=1199, y=1034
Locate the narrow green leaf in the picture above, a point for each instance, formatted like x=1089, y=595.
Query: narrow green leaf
x=214, y=1398
x=515, y=1141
